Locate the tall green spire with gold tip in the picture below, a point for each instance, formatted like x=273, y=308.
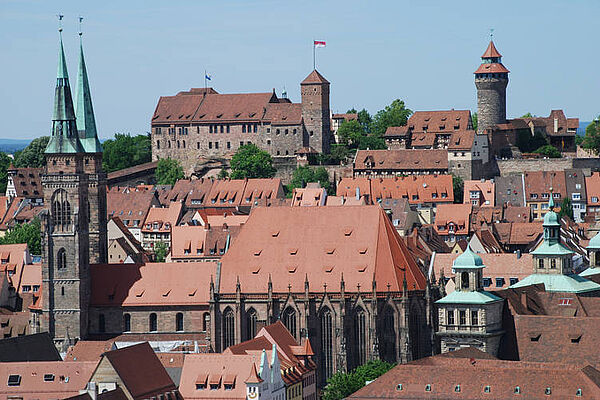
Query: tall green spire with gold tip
x=86, y=122
x=64, y=137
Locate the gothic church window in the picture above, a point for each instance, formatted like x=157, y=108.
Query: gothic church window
x=289, y=320
x=464, y=279
x=228, y=329
x=326, y=345
x=251, y=324
x=61, y=211
x=61, y=259
x=360, y=326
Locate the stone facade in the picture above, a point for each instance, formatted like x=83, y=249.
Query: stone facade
x=315, y=112
x=491, y=102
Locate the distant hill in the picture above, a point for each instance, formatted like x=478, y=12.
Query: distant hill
x=13, y=145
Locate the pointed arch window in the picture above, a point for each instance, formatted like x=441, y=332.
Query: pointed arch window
x=251, y=321
x=61, y=211
x=388, y=345
x=61, y=259
x=228, y=329
x=289, y=320
x=360, y=326
x=206, y=322
x=326, y=345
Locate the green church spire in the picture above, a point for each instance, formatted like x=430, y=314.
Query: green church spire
x=64, y=129
x=86, y=122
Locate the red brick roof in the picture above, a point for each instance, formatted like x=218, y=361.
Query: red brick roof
x=393, y=131
x=491, y=69
x=27, y=182
x=140, y=371
x=162, y=219
x=422, y=140
x=485, y=188
x=288, y=244
x=517, y=214
x=491, y=51
x=346, y=117
x=130, y=205
x=314, y=77
x=462, y=140
x=540, y=182
x=592, y=188
x=284, y=114
x=402, y=160
x=440, y=121
x=88, y=350
x=456, y=214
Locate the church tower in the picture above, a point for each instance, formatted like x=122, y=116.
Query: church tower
x=69, y=173
x=315, y=111
x=491, y=79
x=92, y=164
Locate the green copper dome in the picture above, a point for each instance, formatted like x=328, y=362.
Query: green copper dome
x=594, y=242
x=468, y=259
x=551, y=219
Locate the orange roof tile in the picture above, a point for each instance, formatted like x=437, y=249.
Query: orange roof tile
x=446, y=121
x=491, y=51
x=163, y=217
x=402, y=160
x=314, y=77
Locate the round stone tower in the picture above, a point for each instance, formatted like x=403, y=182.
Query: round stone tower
x=491, y=79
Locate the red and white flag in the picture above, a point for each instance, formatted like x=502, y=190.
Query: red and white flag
x=319, y=43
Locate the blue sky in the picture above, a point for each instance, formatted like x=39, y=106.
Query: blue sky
x=423, y=52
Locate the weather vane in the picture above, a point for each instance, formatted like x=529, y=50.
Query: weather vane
x=491, y=33
x=60, y=18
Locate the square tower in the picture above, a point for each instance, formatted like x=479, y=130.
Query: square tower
x=315, y=112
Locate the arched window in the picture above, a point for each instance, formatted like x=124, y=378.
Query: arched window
x=179, y=322
x=101, y=323
x=251, y=323
x=126, y=323
x=326, y=345
x=388, y=346
x=61, y=259
x=289, y=320
x=228, y=329
x=61, y=211
x=464, y=280
x=158, y=144
x=360, y=326
x=152, y=323
x=206, y=322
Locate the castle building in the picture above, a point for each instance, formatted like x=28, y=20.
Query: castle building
x=74, y=223
x=202, y=123
x=491, y=79
x=470, y=316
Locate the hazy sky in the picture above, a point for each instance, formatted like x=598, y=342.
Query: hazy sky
x=423, y=52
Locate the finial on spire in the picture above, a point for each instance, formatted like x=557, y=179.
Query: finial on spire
x=491, y=34
x=80, y=21
x=551, y=201
x=60, y=18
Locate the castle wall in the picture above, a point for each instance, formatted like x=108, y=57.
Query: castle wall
x=491, y=102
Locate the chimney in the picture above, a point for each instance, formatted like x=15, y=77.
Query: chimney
x=555, y=125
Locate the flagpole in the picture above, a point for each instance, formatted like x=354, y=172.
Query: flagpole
x=314, y=56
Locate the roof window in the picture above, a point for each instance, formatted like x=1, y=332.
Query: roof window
x=487, y=389
x=548, y=391
x=579, y=393
x=14, y=380
x=457, y=388
x=48, y=377
x=428, y=388
x=517, y=390
x=399, y=386
x=535, y=338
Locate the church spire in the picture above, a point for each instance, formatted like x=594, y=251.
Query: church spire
x=64, y=129
x=86, y=122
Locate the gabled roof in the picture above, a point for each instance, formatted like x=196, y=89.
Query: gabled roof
x=88, y=350
x=314, y=77
x=402, y=160
x=290, y=243
x=140, y=370
x=36, y=347
x=559, y=283
x=442, y=121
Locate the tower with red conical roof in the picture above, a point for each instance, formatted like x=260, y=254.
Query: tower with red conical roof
x=491, y=79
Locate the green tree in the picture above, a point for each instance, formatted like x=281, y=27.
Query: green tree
x=342, y=385
x=160, y=251
x=474, y=120
x=566, y=208
x=32, y=155
x=168, y=171
x=5, y=161
x=396, y=114
x=306, y=174
x=125, y=151
x=251, y=162
x=372, y=142
x=578, y=140
x=223, y=174
x=548, y=151
x=591, y=140
x=458, y=186
x=29, y=233
x=350, y=133
x=365, y=119
x=527, y=115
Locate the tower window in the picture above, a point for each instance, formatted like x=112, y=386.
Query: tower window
x=462, y=317
x=474, y=317
x=152, y=323
x=61, y=211
x=243, y=128
x=158, y=144
x=289, y=320
x=179, y=322
x=61, y=259
x=228, y=328
x=541, y=263
x=126, y=322
x=450, y=318
x=251, y=324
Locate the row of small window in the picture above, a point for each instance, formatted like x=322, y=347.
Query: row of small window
x=545, y=195
x=462, y=317
x=15, y=379
x=216, y=386
x=552, y=263
x=161, y=236
x=462, y=154
x=434, y=195
x=492, y=75
x=212, y=251
x=28, y=288
x=488, y=389
x=135, y=222
x=500, y=282
x=152, y=322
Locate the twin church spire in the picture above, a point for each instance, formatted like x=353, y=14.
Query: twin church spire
x=73, y=129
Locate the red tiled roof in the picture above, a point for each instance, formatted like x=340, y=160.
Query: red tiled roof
x=88, y=350
x=314, y=77
x=485, y=188
x=140, y=370
x=130, y=205
x=592, y=188
x=491, y=51
x=284, y=113
x=402, y=160
x=517, y=214
x=457, y=214
x=440, y=121
x=462, y=140
x=491, y=69
x=346, y=117
x=149, y=166
x=393, y=131
x=289, y=244
x=163, y=217
x=27, y=182
x=422, y=140
x=540, y=182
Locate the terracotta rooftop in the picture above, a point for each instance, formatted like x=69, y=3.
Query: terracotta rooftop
x=492, y=69
x=130, y=205
x=401, y=160
x=539, y=183
x=135, y=285
x=592, y=188
x=346, y=116
x=290, y=244
x=491, y=51
x=393, y=131
x=462, y=140
x=446, y=121
x=422, y=140
x=88, y=350
x=453, y=214
x=314, y=77
x=27, y=182
x=162, y=219
x=484, y=188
